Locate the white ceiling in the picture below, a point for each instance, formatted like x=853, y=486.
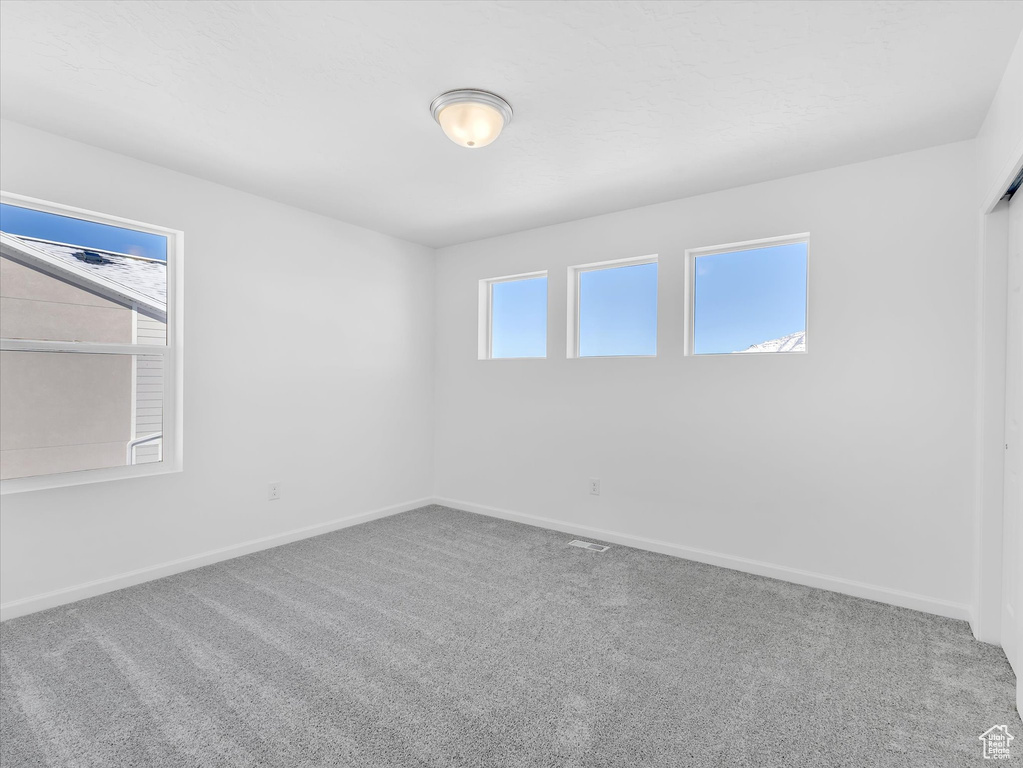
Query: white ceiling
x=325, y=105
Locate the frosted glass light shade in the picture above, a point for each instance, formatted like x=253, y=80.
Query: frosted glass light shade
x=471, y=118
x=471, y=125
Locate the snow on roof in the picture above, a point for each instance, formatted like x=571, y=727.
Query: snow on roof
x=133, y=278
x=794, y=342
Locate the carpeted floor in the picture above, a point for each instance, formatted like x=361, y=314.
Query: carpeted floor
x=442, y=638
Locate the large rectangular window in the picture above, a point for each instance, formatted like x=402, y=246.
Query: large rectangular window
x=614, y=313
x=88, y=346
x=513, y=316
x=750, y=297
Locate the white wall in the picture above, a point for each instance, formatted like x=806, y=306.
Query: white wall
x=850, y=467
x=308, y=360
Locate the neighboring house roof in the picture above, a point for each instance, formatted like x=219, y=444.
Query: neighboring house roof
x=120, y=276
x=794, y=342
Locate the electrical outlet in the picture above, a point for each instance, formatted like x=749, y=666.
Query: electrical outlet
x=594, y=487
x=273, y=491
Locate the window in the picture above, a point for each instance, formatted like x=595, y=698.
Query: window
x=89, y=346
x=614, y=312
x=749, y=297
x=513, y=317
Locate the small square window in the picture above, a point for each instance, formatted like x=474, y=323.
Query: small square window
x=750, y=299
x=616, y=309
x=514, y=317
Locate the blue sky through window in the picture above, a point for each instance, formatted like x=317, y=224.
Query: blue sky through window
x=65, y=229
x=749, y=297
x=519, y=318
x=618, y=311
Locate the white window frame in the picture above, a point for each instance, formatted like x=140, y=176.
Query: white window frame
x=692, y=254
x=574, y=275
x=172, y=353
x=485, y=347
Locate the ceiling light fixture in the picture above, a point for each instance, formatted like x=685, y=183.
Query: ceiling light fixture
x=471, y=118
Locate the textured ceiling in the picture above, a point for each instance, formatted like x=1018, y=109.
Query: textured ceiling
x=325, y=105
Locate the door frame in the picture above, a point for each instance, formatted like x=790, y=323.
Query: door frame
x=990, y=358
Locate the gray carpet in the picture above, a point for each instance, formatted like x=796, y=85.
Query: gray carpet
x=441, y=638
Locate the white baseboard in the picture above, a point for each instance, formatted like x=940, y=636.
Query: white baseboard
x=758, y=567
x=27, y=605
x=72, y=594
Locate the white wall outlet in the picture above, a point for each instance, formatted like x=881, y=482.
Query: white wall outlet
x=594, y=486
x=273, y=491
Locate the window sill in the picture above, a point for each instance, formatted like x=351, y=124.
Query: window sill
x=747, y=354
x=86, y=477
x=612, y=357
x=489, y=359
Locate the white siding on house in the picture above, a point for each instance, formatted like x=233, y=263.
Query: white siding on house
x=150, y=330
x=148, y=387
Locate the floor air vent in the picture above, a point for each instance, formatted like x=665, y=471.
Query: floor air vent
x=588, y=545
